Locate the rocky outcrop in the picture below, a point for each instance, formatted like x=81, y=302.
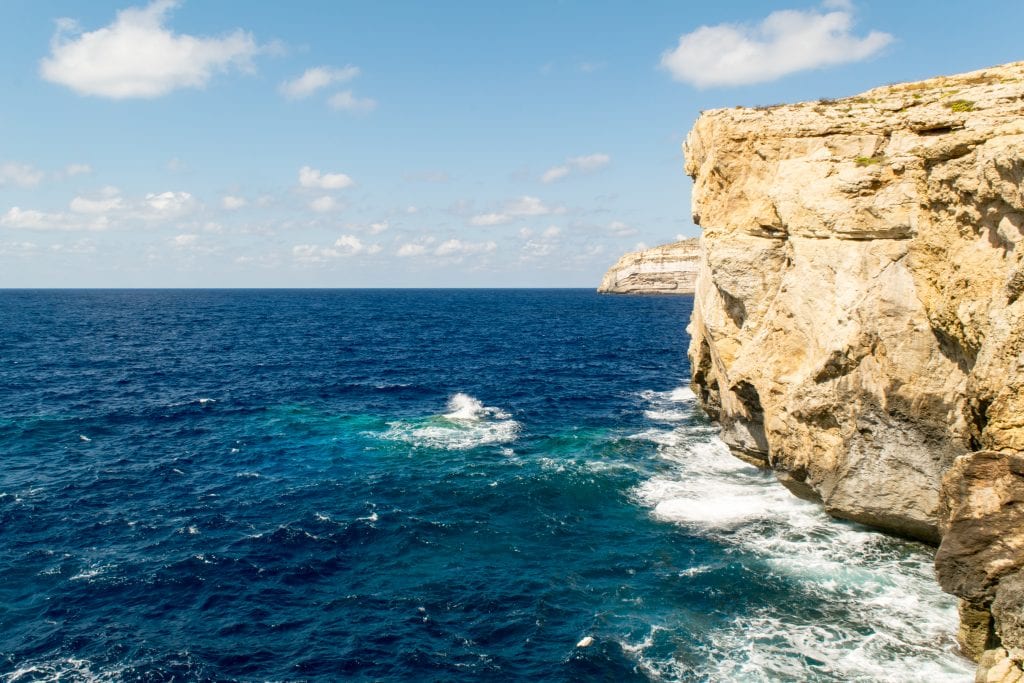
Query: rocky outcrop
x=668, y=269
x=858, y=323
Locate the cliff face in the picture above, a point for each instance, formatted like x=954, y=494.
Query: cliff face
x=858, y=325
x=668, y=269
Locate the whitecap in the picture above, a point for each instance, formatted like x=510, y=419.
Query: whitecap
x=866, y=581
x=465, y=407
x=467, y=424
x=668, y=415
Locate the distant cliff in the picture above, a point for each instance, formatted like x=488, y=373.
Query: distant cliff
x=858, y=323
x=668, y=269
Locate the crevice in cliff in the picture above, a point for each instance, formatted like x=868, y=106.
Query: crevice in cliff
x=977, y=419
x=705, y=382
x=954, y=350
x=734, y=308
x=751, y=400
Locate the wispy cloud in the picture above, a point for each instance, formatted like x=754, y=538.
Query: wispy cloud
x=21, y=175
x=347, y=101
x=585, y=164
x=138, y=56
x=315, y=79
x=784, y=42
x=525, y=206
x=346, y=245
x=313, y=178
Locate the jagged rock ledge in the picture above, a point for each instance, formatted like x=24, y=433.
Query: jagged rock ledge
x=668, y=269
x=858, y=324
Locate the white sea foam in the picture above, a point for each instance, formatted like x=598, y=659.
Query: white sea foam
x=465, y=407
x=61, y=669
x=468, y=423
x=885, y=618
x=667, y=415
x=677, y=395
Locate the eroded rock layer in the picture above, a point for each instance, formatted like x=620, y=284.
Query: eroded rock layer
x=858, y=324
x=668, y=269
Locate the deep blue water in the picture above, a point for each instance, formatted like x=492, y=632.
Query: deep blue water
x=411, y=485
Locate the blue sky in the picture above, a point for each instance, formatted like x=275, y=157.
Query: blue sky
x=344, y=144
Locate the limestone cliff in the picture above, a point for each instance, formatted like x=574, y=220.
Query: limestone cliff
x=858, y=325
x=668, y=269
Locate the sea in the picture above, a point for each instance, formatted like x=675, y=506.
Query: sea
x=413, y=485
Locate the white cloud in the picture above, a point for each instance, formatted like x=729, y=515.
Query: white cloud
x=542, y=245
x=620, y=229
x=21, y=175
x=169, y=203
x=529, y=206
x=347, y=101
x=18, y=247
x=378, y=227
x=137, y=56
x=311, y=177
x=784, y=42
x=586, y=164
x=30, y=219
x=554, y=173
x=97, y=206
x=525, y=206
x=456, y=247
x=487, y=219
x=72, y=170
x=346, y=245
x=323, y=204
x=590, y=162
x=316, y=78
x=410, y=249
x=231, y=202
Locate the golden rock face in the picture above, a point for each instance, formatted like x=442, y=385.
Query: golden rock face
x=858, y=321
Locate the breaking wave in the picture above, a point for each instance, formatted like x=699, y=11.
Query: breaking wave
x=466, y=424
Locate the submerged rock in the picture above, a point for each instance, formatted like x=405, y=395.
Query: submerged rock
x=858, y=326
x=668, y=269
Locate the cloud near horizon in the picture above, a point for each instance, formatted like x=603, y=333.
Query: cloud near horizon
x=136, y=56
x=784, y=42
x=525, y=206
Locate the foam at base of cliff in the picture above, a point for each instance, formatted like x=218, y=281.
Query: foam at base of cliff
x=668, y=269
x=849, y=603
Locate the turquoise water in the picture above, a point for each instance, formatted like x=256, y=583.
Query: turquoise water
x=412, y=485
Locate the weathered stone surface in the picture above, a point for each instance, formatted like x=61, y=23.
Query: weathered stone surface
x=983, y=529
x=1008, y=611
x=997, y=666
x=668, y=269
x=857, y=322
x=976, y=633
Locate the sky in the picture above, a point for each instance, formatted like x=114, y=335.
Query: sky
x=324, y=143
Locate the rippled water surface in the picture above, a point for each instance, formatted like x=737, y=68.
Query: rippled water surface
x=412, y=485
